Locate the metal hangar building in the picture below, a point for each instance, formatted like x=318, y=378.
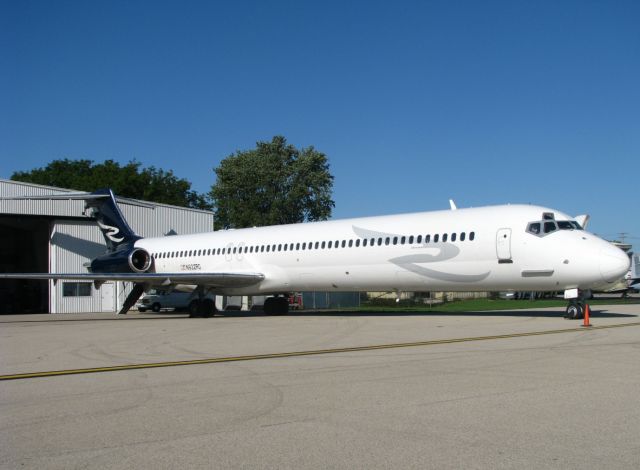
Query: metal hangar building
x=55, y=236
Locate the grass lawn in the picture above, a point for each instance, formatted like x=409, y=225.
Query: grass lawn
x=478, y=305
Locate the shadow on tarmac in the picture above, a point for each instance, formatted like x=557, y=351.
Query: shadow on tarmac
x=50, y=318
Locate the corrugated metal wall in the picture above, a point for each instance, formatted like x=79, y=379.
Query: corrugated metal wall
x=75, y=239
x=74, y=243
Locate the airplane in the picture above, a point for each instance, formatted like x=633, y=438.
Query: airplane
x=493, y=248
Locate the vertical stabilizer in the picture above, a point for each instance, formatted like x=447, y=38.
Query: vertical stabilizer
x=115, y=229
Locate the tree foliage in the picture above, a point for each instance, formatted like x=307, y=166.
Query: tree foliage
x=275, y=183
x=130, y=180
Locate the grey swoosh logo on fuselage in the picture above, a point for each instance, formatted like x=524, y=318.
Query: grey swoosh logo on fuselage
x=412, y=263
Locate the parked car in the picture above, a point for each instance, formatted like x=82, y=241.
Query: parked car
x=156, y=300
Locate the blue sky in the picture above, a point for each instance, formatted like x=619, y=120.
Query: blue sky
x=413, y=102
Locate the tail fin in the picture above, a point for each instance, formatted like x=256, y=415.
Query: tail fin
x=115, y=229
x=103, y=207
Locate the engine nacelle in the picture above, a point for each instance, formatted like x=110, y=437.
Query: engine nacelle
x=136, y=260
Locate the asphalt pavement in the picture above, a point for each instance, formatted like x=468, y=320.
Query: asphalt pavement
x=564, y=397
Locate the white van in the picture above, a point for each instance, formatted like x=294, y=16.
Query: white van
x=156, y=300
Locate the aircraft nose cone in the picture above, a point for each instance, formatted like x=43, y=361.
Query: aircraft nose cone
x=614, y=263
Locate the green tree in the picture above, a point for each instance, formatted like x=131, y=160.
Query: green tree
x=130, y=180
x=275, y=183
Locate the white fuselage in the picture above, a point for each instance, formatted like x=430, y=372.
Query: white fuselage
x=482, y=249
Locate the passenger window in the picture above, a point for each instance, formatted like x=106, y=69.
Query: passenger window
x=380, y=241
x=453, y=237
x=444, y=238
x=419, y=240
x=330, y=244
x=472, y=236
x=387, y=241
x=411, y=240
x=324, y=244
x=463, y=236
x=350, y=243
x=436, y=237
x=357, y=243
x=364, y=242
x=395, y=240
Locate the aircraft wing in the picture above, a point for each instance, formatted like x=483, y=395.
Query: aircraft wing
x=160, y=279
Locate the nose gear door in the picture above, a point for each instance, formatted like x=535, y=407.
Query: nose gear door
x=503, y=245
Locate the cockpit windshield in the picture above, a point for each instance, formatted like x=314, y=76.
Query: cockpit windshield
x=546, y=226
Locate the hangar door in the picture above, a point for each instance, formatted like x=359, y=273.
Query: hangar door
x=74, y=243
x=24, y=245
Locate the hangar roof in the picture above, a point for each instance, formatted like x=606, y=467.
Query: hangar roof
x=146, y=218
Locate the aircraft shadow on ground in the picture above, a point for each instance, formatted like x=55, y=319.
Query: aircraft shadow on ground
x=595, y=313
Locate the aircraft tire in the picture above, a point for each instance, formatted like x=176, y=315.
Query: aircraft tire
x=276, y=306
x=208, y=308
x=194, y=309
x=573, y=312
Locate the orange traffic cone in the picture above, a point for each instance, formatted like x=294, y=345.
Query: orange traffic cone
x=586, y=315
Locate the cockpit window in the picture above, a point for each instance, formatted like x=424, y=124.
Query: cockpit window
x=534, y=228
x=543, y=227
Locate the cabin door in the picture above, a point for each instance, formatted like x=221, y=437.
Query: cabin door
x=503, y=244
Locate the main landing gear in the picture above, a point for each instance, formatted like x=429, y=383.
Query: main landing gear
x=202, y=307
x=276, y=305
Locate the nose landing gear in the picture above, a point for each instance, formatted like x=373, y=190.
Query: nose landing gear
x=574, y=311
x=577, y=302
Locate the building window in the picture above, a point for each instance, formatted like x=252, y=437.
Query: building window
x=76, y=289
